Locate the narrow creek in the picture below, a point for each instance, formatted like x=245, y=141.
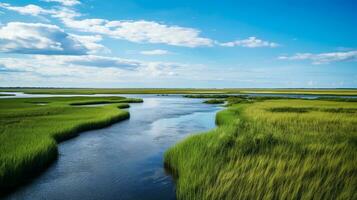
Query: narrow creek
x=123, y=161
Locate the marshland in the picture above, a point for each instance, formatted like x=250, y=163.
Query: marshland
x=178, y=100
x=31, y=129
x=271, y=149
x=269, y=146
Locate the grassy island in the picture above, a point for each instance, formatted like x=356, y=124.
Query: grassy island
x=271, y=149
x=31, y=128
x=214, y=101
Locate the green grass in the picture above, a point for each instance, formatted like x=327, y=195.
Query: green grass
x=214, y=101
x=81, y=103
x=207, y=96
x=30, y=129
x=271, y=149
x=336, y=92
x=4, y=94
x=333, y=92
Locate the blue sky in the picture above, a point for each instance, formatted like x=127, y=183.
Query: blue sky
x=142, y=43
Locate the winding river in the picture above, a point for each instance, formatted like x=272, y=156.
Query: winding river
x=125, y=160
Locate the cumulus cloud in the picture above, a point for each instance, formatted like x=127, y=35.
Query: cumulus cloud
x=26, y=10
x=138, y=31
x=141, y=31
x=38, y=38
x=91, y=61
x=65, y=2
x=104, y=71
x=251, y=42
x=91, y=43
x=40, y=69
x=89, y=67
x=64, y=13
x=323, y=58
x=34, y=10
x=155, y=52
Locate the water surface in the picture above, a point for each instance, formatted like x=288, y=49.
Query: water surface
x=123, y=161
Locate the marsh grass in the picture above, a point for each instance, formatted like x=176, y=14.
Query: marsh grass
x=4, y=94
x=309, y=109
x=337, y=99
x=29, y=133
x=110, y=101
x=307, y=151
x=215, y=101
x=207, y=96
x=291, y=109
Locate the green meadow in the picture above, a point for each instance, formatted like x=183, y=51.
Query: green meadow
x=271, y=149
x=31, y=128
x=336, y=92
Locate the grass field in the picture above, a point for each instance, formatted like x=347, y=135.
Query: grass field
x=271, y=149
x=30, y=129
x=337, y=92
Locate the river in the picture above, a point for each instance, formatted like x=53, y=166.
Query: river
x=125, y=160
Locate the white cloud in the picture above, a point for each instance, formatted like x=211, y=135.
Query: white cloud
x=103, y=71
x=34, y=10
x=91, y=43
x=86, y=68
x=90, y=61
x=42, y=69
x=155, y=52
x=64, y=13
x=26, y=10
x=323, y=58
x=251, y=42
x=37, y=38
x=65, y=2
x=141, y=31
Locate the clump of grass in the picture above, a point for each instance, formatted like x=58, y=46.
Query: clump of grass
x=207, y=96
x=258, y=154
x=308, y=109
x=291, y=109
x=234, y=99
x=237, y=100
x=4, y=94
x=123, y=105
x=340, y=110
x=29, y=134
x=339, y=99
x=214, y=101
x=109, y=101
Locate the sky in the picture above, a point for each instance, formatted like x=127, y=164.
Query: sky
x=178, y=44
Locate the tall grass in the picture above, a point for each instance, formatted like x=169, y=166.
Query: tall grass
x=3, y=94
x=207, y=96
x=29, y=133
x=271, y=150
x=214, y=101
